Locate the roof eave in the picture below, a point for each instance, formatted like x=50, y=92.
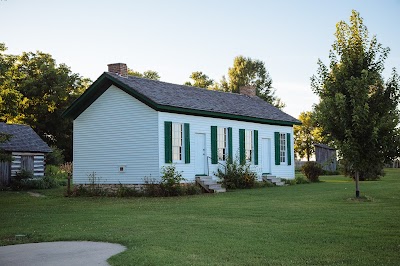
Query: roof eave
x=179, y=110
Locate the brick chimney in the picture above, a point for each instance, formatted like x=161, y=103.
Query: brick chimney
x=119, y=68
x=248, y=90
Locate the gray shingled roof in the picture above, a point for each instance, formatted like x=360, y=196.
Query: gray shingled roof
x=23, y=139
x=181, y=96
x=324, y=146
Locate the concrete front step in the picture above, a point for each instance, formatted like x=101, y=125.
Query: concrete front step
x=209, y=184
x=214, y=186
x=273, y=179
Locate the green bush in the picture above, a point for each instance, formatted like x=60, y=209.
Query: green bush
x=18, y=182
x=301, y=180
x=45, y=182
x=237, y=175
x=192, y=189
x=169, y=185
x=263, y=184
x=289, y=181
x=327, y=172
x=55, y=157
x=55, y=172
x=312, y=170
x=25, y=180
x=124, y=191
x=171, y=181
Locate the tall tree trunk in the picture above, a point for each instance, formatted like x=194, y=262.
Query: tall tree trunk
x=357, y=184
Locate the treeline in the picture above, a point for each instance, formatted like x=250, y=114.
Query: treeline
x=35, y=90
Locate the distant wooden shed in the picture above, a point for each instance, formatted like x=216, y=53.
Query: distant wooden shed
x=27, y=149
x=326, y=157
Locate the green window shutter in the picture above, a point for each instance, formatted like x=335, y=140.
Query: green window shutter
x=289, y=149
x=277, y=148
x=187, y=142
x=230, y=149
x=168, y=141
x=242, y=155
x=214, y=145
x=255, y=147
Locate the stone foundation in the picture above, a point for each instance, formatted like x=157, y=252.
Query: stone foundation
x=113, y=188
x=110, y=188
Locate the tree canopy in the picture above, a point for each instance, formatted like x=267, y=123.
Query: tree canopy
x=245, y=71
x=200, y=80
x=34, y=90
x=4, y=156
x=357, y=108
x=148, y=74
x=248, y=71
x=306, y=135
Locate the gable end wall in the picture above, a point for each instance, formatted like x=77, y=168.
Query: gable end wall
x=115, y=130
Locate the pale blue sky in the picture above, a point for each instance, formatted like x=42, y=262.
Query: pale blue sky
x=177, y=37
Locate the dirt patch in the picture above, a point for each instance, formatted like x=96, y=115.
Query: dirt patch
x=35, y=194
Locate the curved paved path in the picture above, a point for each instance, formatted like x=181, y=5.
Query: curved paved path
x=66, y=253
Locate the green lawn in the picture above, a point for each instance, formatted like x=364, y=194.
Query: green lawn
x=313, y=224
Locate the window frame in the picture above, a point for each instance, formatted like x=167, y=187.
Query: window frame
x=181, y=147
x=248, y=137
x=225, y=141
x=282, y=148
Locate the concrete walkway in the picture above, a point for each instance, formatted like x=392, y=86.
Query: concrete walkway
x=77, y=253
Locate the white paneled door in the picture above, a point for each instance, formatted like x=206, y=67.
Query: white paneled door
x=266, y=155
x=200, y=159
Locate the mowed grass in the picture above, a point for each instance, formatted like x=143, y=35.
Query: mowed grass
x=313, y=224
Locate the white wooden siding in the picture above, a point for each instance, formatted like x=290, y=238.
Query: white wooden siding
x=200, y=124
x=116, y=130
x=38, y=163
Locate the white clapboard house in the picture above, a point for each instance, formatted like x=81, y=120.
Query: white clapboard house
x=127, y=128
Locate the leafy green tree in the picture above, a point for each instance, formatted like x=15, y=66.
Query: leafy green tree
x=4, y=156
x=247, y=71
x=149, y=74
x=357, y=108
x=306, y=135
x=10, y=98
x=200, y=80
x=41, y=91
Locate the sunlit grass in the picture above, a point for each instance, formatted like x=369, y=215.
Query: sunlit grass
x=313, y=224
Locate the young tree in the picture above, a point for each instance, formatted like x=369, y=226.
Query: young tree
x=200, y=80
x=357, y=108
x=247, y=71
x=306, y=135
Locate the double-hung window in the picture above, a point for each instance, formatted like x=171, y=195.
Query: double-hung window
x=248, y=145
x=222, y=142
x=177, y=142
x=283, y=147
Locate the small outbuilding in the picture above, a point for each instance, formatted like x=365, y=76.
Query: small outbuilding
x=27, y=149
x=326, y=157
